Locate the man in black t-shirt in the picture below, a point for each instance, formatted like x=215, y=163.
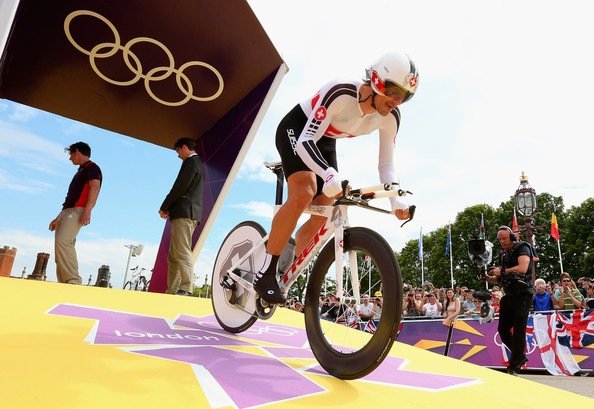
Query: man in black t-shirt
x=76, y=211
x=514, y=307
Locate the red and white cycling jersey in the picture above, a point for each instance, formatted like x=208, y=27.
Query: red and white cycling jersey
x=334, y=112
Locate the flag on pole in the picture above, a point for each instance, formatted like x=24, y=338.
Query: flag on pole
x=482, y=228
x=515, y=228
x=554, y=227
x=421, y=244
x=448, y=240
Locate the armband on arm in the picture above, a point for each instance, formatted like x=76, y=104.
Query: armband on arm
x=332, y=184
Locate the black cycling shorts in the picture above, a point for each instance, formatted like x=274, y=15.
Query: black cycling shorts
x=289, y=129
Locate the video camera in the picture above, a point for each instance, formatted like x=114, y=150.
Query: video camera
x=480, y=251
x=481, y=254
x=484, y=296
x=487, y=312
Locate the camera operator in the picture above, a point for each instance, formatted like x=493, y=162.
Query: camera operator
x=512, y=275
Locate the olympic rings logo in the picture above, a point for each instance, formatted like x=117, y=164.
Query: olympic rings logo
x=106, y=50
x=530, y=346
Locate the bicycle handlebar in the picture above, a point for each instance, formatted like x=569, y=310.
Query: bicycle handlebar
x=386, y=187
x=361, y=197
x=352, y=197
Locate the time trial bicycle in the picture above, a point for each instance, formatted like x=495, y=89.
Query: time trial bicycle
x=339, y=251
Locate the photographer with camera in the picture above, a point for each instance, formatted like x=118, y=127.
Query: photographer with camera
x=512, y=274
x=567, y=296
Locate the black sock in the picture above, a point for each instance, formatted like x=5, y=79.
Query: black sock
x=270, y=263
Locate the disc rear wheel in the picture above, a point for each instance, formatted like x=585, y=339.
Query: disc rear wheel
x=235, y=308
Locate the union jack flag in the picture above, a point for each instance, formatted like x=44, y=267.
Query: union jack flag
x=530, y=343
x=369, y=326
x=350, y=323
x=575, y=329
x=557, y=358
x=354, y=324
x=530, y=340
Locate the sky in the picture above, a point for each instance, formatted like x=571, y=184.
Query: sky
x=505, y=87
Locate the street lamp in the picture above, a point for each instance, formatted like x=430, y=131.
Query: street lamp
x=526, y=206
x=525, y=197
x=134, y=251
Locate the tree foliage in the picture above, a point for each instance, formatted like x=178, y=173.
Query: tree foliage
x=576, y=227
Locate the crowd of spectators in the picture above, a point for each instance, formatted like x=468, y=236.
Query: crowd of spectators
x=448, y=303
x=565, y=294
x=444, y=303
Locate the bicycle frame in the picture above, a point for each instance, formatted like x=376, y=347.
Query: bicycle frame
x=336, y=221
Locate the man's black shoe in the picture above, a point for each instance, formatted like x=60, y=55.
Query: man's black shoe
x=183, y=292
x=518, y=367
x=511, y=371
x=267, y=288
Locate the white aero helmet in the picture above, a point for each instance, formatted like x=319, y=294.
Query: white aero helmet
x=394, y=74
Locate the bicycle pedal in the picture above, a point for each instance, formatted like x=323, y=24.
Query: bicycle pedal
x=228, y=283
x=229, y=287
x=264, y=310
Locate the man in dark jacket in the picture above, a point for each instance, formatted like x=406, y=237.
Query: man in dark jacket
x=183, y=207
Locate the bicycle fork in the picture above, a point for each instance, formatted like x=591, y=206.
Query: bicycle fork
x=339, y=264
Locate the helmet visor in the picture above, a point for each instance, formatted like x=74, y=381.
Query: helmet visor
x=394, y=90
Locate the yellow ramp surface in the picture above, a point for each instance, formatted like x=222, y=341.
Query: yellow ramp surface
x=64, y=346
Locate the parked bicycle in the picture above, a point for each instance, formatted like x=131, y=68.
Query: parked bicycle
x=339, y=250
x=139, y=281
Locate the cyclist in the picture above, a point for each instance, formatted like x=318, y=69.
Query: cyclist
x=306, y=141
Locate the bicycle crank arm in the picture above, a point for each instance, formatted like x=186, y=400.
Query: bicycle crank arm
x=243, y=283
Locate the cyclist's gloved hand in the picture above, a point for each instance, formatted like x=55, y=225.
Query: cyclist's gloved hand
x=332, y=184
x=402, y=214
x=400, y=209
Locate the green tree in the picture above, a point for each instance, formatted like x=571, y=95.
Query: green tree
x=577, y=242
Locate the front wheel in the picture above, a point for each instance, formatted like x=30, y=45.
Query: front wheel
x=235, y=308
x=345, y=346
x=128, y=285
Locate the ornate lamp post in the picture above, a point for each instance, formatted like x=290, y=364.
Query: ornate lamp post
x=526, y=206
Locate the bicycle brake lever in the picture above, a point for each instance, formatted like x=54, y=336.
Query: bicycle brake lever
x=411, y=212
x=345, y=185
